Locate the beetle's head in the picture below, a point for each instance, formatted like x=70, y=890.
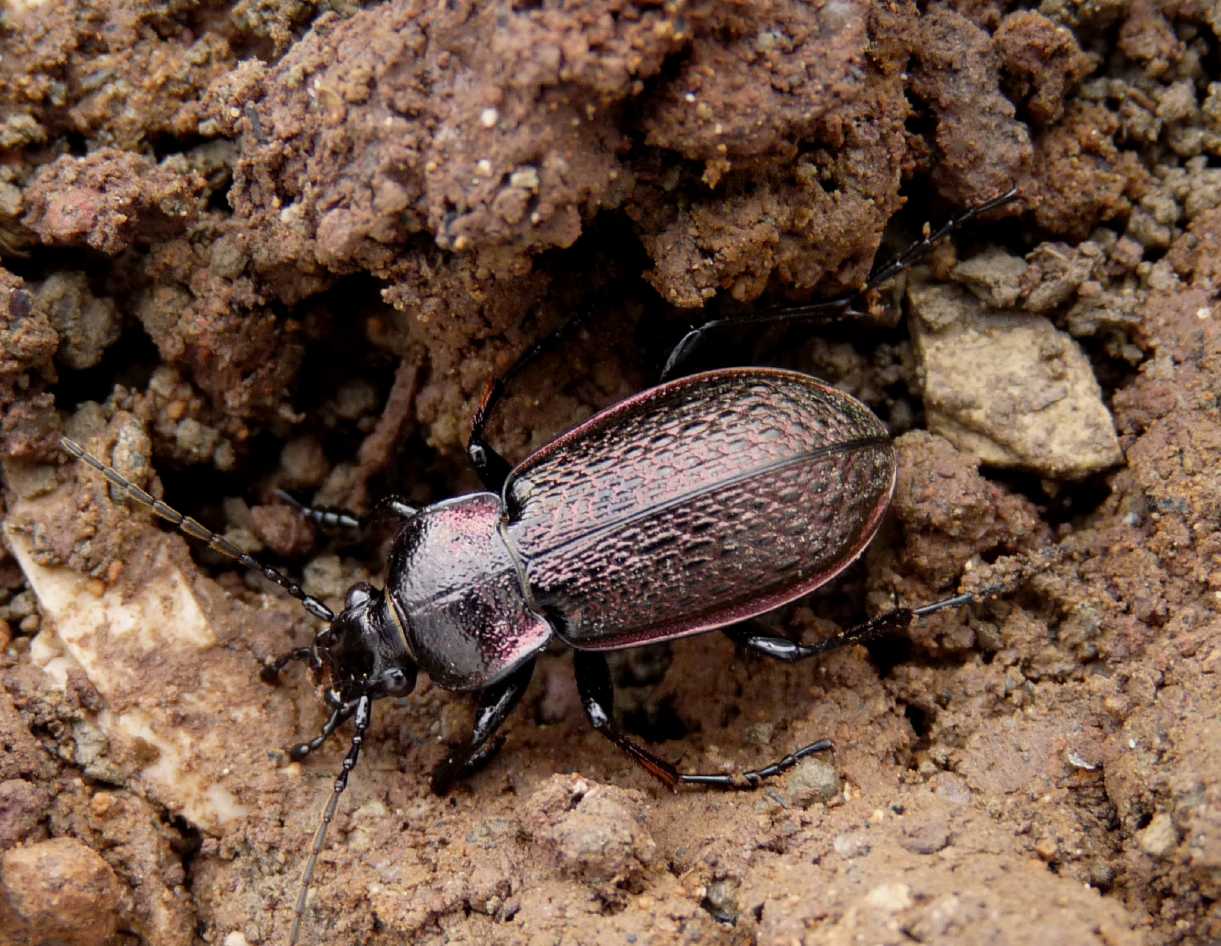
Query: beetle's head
x=362, y=653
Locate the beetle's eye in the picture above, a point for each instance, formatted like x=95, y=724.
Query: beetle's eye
x=357, y=595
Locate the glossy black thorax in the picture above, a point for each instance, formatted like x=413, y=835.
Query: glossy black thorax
x=457, y=590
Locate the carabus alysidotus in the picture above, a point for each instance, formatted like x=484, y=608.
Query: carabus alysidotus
x=695, y=505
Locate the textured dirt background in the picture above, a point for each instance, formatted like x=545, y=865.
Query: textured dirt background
x=285, y=244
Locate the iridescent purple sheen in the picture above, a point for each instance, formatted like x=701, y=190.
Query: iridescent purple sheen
x=459, y=597
x=697, y=504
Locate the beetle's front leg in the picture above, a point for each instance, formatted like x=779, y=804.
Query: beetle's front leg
x=495, y=704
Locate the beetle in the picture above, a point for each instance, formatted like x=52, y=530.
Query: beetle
x=695, y=505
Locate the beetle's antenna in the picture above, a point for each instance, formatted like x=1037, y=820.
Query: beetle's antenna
x=363, y=718
x=196, y=530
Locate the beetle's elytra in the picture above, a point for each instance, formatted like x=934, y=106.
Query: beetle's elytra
x=695, y=505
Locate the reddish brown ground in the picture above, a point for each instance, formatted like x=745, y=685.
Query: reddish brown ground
x=286, y=244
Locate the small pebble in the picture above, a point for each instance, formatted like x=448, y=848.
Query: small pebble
x=1047, y=849
x=595, y=833
x=814, y=781
x=720, y=899
x=23, y=806
x=851, y=844
x=925, y=836
x=1160, y=837
x=890, y=898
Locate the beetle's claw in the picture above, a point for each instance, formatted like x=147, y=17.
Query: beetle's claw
x=444, y=776
x=299, y=751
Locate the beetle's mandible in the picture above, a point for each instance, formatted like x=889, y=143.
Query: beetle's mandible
x=695, y=505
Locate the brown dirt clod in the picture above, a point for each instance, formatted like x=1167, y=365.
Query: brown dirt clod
x=57, y=891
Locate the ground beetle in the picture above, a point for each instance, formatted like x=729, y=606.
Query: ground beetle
x=695, y=505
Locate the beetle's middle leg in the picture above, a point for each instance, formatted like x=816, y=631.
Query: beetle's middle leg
x=598, y=698
x=749, y=635
x=492, y=468
x=495, y=705
x=331, y=517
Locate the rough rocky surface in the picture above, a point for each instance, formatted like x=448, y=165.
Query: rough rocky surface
x=250, y=246
x=1028, y=398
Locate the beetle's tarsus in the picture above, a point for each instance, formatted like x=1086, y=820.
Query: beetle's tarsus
x=754, y=778
x=333, y=517
x=327, y=517
x=271, y=670
x=338, y=716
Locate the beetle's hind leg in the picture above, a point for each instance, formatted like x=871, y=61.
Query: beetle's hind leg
x=495, y=705
x=752, y=637
x=680, y=360
x=598, y=698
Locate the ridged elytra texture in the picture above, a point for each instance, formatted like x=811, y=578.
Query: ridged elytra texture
x=696, y=504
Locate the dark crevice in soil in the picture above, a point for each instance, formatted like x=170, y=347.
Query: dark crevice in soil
x=129, y=362
x=659, y=722
x=921, y=723
x=165, y=145
x=1113, y=373
x=1070, y=502
x=43, y=261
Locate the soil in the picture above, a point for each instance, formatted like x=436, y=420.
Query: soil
x=247, y=247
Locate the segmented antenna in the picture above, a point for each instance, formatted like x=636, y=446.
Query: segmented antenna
x=363, y=717
x=196, y=530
